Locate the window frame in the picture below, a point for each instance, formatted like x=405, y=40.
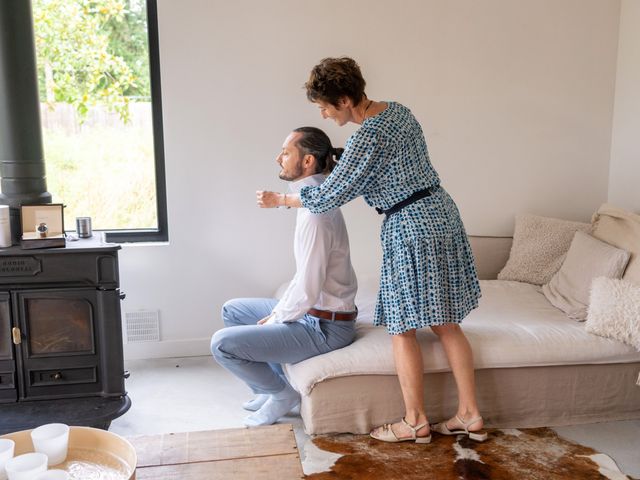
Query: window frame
x=161, y=233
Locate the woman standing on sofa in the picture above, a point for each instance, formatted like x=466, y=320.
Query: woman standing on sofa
x=428, y=277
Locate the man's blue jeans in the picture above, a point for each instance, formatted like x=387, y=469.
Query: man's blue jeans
x=254, y=352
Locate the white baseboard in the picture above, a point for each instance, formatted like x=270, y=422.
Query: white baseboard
x=190, y=347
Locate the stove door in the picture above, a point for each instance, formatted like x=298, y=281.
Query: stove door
x=59, y=354
x=8, y=392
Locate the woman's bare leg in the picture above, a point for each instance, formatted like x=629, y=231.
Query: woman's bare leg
x=460, y=356
x=408, y=360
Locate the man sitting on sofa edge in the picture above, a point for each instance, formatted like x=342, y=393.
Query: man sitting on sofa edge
x=317, y=312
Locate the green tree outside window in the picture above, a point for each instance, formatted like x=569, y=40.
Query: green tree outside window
x=93, y=55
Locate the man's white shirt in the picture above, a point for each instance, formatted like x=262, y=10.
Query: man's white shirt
x=324, y=277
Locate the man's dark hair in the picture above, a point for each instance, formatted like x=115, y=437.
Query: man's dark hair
x=334, y=78
x=314, y=141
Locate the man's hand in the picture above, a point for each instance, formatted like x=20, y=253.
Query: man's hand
x=267, y=199
x=265, y=319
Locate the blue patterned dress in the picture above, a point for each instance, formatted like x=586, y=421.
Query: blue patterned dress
x=428, y=276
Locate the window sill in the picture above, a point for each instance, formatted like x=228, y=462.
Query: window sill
x=136, y=236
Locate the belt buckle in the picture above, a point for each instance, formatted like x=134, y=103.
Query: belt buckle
x=333, y=316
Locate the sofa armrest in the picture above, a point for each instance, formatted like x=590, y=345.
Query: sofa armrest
x=491, y=255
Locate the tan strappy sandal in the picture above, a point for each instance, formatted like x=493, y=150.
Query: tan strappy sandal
x=387, y=434
x=478, y=436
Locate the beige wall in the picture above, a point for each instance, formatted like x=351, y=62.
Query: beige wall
x=515, y=98
x=624, y=179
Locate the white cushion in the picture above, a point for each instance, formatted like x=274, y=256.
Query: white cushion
x=614, y=310
x=538, y=249
x=586, y=259
x=621, y=229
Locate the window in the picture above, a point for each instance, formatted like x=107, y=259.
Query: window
x=99, y=87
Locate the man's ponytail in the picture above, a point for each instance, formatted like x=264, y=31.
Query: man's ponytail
x=315, y=142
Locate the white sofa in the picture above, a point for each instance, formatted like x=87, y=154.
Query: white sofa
x=534, y=366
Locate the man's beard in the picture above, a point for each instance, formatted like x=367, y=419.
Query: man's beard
x=297, y=173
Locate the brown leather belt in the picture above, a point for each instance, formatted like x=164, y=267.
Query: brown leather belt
x=327, y=315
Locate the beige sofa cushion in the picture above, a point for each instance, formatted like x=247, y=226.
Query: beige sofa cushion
x=538, y=249
x=586, y=259
x=621, y=229
x=614, y=310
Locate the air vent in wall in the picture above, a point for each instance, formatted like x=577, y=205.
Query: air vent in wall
x=142, y=326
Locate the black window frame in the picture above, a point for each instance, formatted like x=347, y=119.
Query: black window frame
x=161, y=233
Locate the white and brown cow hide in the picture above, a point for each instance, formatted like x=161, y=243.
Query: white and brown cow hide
x=536, y=453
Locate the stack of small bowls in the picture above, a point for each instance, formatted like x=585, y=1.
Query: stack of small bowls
x=50, y=443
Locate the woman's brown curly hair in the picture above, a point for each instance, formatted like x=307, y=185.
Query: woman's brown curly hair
x=334, y=78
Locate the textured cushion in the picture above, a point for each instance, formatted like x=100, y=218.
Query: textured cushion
x=586, y=259
x=621, y=229
x=539, y=246
x=614, y=310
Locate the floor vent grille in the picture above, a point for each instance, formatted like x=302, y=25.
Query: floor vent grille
x=142, y=326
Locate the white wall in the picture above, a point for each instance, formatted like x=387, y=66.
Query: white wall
x=624, y=179
x=515, y=98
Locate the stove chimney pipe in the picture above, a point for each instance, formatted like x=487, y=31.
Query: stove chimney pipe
x=21, y=155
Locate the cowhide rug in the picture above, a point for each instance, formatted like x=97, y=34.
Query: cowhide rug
x=536, y=453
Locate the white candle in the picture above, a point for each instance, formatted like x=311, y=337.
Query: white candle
x=5, y=227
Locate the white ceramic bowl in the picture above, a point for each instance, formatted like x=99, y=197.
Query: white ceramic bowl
x=52, y=440
x=88, y=439
x=7, y=448
x=27, y=466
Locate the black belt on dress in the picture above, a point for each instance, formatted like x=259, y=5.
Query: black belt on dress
x=414, y=197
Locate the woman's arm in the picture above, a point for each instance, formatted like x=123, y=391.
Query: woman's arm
x=266, y=199
x=357, y=168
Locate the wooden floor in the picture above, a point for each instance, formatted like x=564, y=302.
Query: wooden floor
x=240, y=453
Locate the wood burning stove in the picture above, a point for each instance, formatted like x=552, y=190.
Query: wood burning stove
x=61, y=336
x=60, y=326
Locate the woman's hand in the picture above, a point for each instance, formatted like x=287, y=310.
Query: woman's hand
x=267, y=199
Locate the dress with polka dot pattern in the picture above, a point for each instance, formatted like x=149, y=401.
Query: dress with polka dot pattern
x=428, y=274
